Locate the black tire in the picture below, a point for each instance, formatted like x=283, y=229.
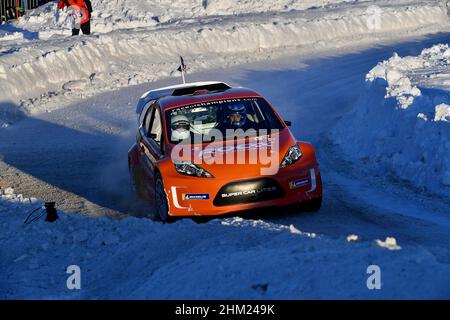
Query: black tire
x=137, y=182
x=201, y=220
x=161, y=202
x=313, y=205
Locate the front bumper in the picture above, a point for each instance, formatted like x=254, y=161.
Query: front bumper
x=209, y=197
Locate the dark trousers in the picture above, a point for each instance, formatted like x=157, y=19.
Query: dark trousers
x=85, y=28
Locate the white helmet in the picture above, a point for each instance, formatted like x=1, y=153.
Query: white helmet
x=180, y=128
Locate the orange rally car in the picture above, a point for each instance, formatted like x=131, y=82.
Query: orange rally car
x=205, y=149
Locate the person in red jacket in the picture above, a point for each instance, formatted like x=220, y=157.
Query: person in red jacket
x=84, y=8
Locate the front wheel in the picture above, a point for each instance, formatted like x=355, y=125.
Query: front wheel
x=161, y=203
x=313, y=205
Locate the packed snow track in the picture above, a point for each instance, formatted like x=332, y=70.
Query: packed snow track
x=76, y=156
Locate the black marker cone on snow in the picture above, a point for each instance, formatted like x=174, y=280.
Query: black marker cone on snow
x=52, y=215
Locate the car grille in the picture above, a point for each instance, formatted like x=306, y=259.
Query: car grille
x=248, y=191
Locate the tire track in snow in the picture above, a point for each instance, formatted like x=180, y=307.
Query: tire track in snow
x=77, y=155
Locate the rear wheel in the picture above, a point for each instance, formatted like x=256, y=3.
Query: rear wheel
x=137, y=182
x=161, y=203
x=313, y=205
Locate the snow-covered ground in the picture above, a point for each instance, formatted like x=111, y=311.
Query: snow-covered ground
x=401, y=123
x=127, y=14
x=231, y=258
x=71, y=145
x=59, y=70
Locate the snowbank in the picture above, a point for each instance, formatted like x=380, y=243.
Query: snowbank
x=231, y=258
x=50, y=71
x=401, y=124
x=127, y=14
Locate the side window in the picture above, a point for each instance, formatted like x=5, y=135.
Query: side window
x=156, y=128
x=148, y=119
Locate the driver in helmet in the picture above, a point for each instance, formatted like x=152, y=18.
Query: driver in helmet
x=236, y=116
x=181, y=128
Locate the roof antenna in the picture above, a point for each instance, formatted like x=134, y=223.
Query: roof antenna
x=182, y=68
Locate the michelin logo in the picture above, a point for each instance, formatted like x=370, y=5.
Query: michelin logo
x=195, y=196
x=299, y=183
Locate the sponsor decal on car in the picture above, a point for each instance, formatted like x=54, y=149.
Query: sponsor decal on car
x=215, y=102
x=299, y=183
x=260, y=143
x=249, y=192
x=195, y=196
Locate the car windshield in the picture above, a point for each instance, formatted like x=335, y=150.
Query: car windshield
x=222, y=119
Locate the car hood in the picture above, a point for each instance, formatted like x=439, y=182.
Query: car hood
x=246, y=158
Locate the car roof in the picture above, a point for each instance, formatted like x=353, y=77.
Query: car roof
x=190, y=93
x=169, y=102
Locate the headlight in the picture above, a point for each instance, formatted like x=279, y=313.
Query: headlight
x=292, y=155
x=190, y=169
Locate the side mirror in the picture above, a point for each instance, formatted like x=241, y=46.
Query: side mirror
x=287, y=123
